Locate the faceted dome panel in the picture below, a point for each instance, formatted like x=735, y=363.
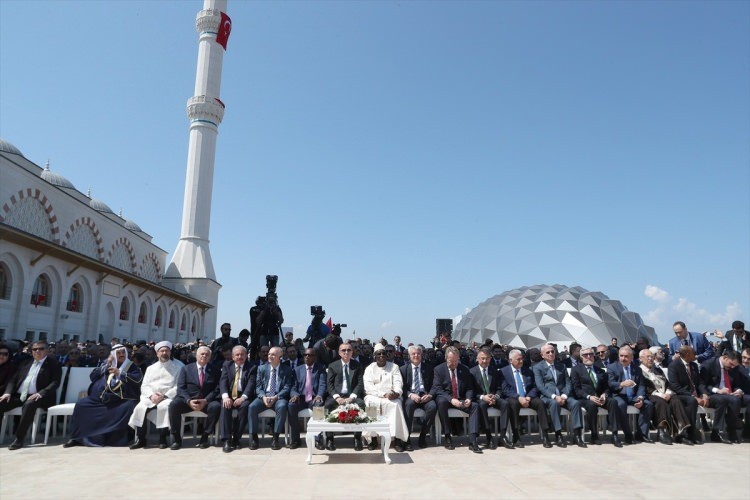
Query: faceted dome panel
x=531, y=316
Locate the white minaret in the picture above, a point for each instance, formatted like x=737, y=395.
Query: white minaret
x=191, y=270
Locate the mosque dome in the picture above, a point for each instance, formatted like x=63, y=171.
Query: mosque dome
x=100, y=206
x=7, y=147
x=129, y=224
x=531, y=316
x=55, y=179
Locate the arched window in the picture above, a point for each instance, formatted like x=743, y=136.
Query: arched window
x=192, y=327
x=75, y=299
x=125, y=309
x=40, y=295
x=142, y=313
x=6, y=283
x=171, y=320
x=157, y=317
x=183, y=322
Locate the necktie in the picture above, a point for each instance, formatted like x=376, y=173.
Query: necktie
x=628, y=390
x=519, y=384
x=417, y=380
x=27, y=381
x=235, y=387
x=454, y=385
x=592, y=377
x=272, y=385
x=308, y=385
x=689, y=369
x=485, y=382
x=553, y=372
x=201, y=376
x=727, y=382
x=346, y=378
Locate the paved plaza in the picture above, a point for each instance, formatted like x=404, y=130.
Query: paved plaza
x=640, y=471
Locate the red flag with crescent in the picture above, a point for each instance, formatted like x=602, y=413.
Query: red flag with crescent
x=329, y=324
x=225, y=28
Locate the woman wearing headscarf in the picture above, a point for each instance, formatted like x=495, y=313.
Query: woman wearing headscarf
x=101, y=419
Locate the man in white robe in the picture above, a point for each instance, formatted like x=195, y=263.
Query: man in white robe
x=383, y=388
x=158, y=389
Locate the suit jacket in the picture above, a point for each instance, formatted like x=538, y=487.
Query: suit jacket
x=247, y=379
x=441, y=383
x=711, y=374
x=568, y=362
x=703, y=348
x=318, y=381
x=509, y=383
x=188, y=383
x=284, y=380
x=679, y=380
x=499, y=365
x=582, y=384
x=728, y=344
x=335, y=378
x=494, y=380
x=649, y=385
x=426, y=373
x=616, y=374
x=546, y=383
x=47, y=380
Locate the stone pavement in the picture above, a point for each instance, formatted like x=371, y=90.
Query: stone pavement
x=639, y=471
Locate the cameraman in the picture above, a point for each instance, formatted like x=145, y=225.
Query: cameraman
x=317, y=329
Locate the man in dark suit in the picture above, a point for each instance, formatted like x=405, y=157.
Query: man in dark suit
x=326, y=349
x=488, y=393
x=602, y=356
x=417, y=376
x=575, y=356
x=345, y=386
x=32, y=386
x=686, y=383
x=273, y=387
x=722, y=381
x=453, y=387
x=237, y=386
x=520, y=391
x=736, y=339
x=702, y=347
x=552, y=380
x=498, y=357
x=309, y=390
x=197, y=390
x=627, y=389
x=591, y=388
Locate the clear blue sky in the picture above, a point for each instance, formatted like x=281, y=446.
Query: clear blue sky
x=397, y=162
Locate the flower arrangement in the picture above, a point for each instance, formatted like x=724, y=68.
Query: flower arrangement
x=348, y=414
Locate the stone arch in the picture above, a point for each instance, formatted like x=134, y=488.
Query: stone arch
x=16, y=276
x=83, y=237
x=150, y=268
x=122, y=255
x=31, y=211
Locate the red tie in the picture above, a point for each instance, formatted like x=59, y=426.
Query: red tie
x=454, y=384
x=200, y=377
x=727, y=383
x=690, y=378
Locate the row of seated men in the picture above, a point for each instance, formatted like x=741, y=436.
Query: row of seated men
x=121, y=398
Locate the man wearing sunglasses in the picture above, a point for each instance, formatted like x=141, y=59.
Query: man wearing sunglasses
x=308, y=390
x=33, y=386
x=344, y=387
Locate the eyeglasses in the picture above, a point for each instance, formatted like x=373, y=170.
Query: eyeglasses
x=601, y=352
x=35, y=349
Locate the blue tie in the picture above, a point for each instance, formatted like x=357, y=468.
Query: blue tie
x=519, y=384
x=628, y=390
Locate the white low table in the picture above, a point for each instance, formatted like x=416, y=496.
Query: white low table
x=380, y=426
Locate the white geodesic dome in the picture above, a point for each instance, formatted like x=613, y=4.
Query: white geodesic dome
x=531, y=316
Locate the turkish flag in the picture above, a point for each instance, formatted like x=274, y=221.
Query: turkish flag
x=329, y=324
x=225, y=28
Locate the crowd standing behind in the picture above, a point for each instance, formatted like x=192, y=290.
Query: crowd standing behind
x=233, y=380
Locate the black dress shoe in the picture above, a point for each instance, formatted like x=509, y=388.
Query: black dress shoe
x=559, y=441
x=319, y=444
x=716, y=437
x=594, y=439
x=175, y=446
x=254, y=444
x=579, y=441
x=227, y=448
x=275, y=444
x=545, y=441
x=139, y=443
x=517, y=443
x=398, y=446
x=71, y=443
x=408, y=446
x=449, y=443
x=163, y=446
x=293, y=445
x=475, y=447
x=422, y=441
x=329, y=445
x=616, y=441
x=203, y=444
x=644, y=438
x=373, y=444
x=15, y=445
x=664, y=437
x=358, y=444
x=629, y=439
x=503, y=441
